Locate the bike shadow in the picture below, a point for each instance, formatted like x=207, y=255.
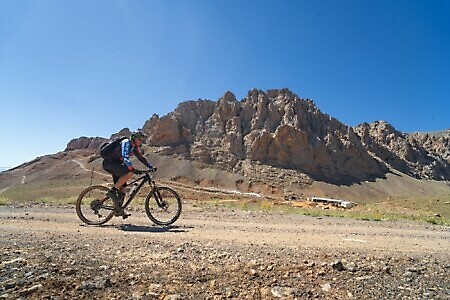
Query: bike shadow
x=154, y=228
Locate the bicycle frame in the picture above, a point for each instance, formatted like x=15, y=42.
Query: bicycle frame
x=143, y=180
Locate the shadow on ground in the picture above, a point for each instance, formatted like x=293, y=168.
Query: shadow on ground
x=153, y=228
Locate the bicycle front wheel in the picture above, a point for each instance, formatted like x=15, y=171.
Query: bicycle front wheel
x=90, y=210
x=163, y=205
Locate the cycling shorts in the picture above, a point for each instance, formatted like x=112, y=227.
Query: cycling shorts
x=116, y=168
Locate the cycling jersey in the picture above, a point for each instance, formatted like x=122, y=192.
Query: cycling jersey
x=124, y=153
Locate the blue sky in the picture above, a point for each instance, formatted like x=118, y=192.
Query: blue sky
x=90, y=67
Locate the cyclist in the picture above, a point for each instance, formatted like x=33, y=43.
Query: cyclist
x=118, y=163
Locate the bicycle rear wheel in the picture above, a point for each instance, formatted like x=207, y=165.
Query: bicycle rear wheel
x=163, y=205
x=93, y=213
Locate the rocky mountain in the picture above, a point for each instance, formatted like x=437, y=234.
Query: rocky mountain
x=273, y=134
x=85, y=143
x=92, y=143
x=420, y=156
x=276, y=128
x=437, y=143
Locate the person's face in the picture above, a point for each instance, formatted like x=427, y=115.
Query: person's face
x=137, y=142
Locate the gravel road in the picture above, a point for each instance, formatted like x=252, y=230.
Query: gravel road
x=219, y=253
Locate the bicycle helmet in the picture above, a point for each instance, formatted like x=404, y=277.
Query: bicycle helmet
x=139, y=135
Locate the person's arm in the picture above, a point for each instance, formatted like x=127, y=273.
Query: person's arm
x=126, y=147
x=141, y=158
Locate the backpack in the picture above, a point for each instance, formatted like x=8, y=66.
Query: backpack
x=108, y=147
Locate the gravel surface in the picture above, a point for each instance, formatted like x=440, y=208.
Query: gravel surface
x=218, y=253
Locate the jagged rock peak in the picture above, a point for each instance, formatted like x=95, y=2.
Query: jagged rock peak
x=228, y=97
x=92, y=143
x=382, y=127
x=415, y=155
x=85, y=143
x=123, y=132
x=273, y=95
x=436, y=142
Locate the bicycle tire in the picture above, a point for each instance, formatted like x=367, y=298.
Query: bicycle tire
x=83, y=206
x=167, y=213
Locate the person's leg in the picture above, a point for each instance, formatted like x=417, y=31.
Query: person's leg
x=122, y=180
x=120, y=187
x=119, y=183
x=121, y=175
x=120, y=192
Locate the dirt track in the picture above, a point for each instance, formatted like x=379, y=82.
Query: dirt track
x=219, y=253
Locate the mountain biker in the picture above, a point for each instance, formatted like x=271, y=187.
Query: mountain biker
x=119, y=164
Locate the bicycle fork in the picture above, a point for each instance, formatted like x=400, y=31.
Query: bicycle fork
x=159, y=200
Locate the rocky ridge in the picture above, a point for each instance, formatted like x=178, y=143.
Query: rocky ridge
x=435, y=143
x=419, y=156
x=281, y=134
x=85, y=143
x=92, y=143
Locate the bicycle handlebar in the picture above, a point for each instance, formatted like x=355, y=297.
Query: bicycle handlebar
x=139, y=172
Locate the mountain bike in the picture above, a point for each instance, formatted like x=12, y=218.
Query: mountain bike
x=162, y=203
